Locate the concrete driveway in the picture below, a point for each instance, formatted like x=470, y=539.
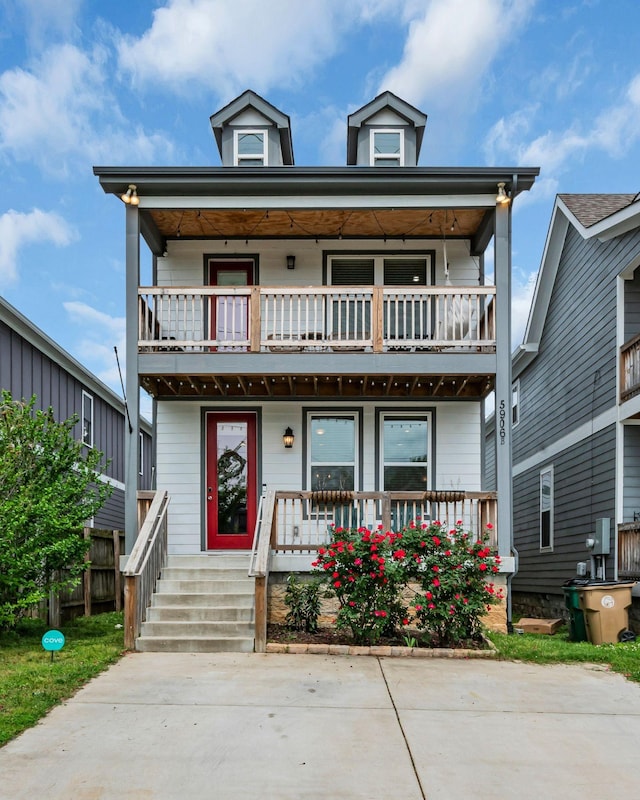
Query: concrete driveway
x=185, y=727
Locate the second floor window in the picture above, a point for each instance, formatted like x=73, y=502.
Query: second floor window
x=250, y=148
x=387, y=148
x=87, y=419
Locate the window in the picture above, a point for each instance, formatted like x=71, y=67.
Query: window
x=515, y=403
x=332, y=448
x=546, y=509
x=387, y=148
x=250, y=148
x=141, y=455
x=87, y=419
x=405, y=452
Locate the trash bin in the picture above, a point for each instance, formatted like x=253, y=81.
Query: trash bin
x=577, y=625
x=605, y=606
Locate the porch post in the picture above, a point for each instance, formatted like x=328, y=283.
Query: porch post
x=132, y=424
x=503, y=378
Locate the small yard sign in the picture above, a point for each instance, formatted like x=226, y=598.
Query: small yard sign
x=52, y=641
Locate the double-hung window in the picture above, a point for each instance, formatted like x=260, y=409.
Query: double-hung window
x=333, y=447
x=546, y=509
x=387, y=148
x=250, y=148
x=87, y=419
x=405, y=448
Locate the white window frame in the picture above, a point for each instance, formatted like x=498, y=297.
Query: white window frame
x=239, y=157
x=547, y=548
x=355, y=416
x=87, y=401
x=409, y=414
x=141, y=454
x=515, y=404
x=375, y=157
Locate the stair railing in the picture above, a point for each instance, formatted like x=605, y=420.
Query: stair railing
x=145, y=563
x=264, y=540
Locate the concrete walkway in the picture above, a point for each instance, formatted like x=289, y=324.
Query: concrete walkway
x=185, y=727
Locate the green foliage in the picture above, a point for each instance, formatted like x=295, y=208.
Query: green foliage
x=361, y=570
x=49, y=486
x=31, y=683
x=370, y=573
x=303, y=601
x=452, y=569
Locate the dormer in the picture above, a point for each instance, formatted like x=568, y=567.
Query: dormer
x=250, y=132
x=387, y=132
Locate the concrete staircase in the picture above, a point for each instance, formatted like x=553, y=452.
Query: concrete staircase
x=202, y=604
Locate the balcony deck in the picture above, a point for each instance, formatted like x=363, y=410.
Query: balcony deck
x=319, y=341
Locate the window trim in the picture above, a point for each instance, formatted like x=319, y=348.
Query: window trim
x=375, y=157
x=239, y=157
x=352, y=413
x=379, y=257
x=87, y=398
x=141, y=454
x=515, y=406
x=408, y=414
x=547, y=548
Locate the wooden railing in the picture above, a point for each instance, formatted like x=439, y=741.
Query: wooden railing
x=630, y=368
x=629, y=550
x=299, y=522
x=143, y=567
x=315, y=319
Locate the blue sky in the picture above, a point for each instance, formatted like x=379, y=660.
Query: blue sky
x=548, y=83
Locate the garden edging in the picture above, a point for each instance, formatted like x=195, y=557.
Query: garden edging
x=379, y=650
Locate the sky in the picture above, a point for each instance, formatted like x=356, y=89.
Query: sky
x=553, y=84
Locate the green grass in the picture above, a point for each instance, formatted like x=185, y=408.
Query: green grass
x=31, y=683
x=558, y=649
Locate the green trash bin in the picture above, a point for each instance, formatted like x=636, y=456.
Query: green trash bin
x=577, y=624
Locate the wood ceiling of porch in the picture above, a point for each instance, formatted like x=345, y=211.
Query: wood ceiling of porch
x=318, y=386
x=321, y=224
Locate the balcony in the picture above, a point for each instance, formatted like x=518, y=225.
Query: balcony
x=321, y=341
x=630, y=369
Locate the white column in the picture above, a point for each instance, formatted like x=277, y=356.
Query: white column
x=132, y=425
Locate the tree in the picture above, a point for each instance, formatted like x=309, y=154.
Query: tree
x=49, y=486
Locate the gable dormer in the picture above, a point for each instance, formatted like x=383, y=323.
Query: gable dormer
x=250, y=132
x=387, y=132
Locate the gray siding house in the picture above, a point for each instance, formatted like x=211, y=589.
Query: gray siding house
x=32, y=364
x=576, y=403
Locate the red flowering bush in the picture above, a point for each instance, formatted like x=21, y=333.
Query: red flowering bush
x=453, y=571
x=363, y=570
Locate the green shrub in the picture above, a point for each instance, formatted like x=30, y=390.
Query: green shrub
x=303, y=601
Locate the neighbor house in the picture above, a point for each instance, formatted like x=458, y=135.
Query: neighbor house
x=318, y=342
x=32, y=364
x=576, y=405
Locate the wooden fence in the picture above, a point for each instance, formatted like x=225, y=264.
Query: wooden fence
x=101, y=587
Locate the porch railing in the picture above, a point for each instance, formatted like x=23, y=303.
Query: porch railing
x=630, y=368
x=299, y=522
x=320, y=318
x=629, y=550
x=143, y=568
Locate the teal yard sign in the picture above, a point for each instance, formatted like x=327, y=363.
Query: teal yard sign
x=52, y=641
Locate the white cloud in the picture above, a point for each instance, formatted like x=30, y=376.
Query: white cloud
x=47, y=18
x=101, y=333
x=17, y=230
x=62, y=111
x=615, y=130
x=450, y=45
x=228, y=47
x=522, y=290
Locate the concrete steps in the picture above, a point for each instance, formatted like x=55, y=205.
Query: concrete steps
x=202, y=604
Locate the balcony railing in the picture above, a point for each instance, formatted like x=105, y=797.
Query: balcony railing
x=316, y=319
x=630, y=368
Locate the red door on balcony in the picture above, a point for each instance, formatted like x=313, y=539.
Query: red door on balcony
x=230, y=313
x=231, y=483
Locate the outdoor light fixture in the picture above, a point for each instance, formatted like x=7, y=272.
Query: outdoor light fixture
x=291, y=262
x=130, y=197
x=288, y=437
x=502, y=197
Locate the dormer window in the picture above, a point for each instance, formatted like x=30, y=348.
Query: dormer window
x=250, y=148
x=387, y=148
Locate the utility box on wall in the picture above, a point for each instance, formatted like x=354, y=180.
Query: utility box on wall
x=602, y=537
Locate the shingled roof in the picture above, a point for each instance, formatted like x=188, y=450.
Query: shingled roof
x=589, y=209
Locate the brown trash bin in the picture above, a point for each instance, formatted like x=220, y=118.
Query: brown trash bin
x=605, y=607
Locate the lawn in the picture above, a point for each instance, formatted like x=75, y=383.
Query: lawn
x=31, y=683
x=558, y=649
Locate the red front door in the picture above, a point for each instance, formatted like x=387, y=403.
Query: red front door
x=231, y=480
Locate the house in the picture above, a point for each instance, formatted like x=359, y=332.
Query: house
x=32, y=364
x=318, y=341
x=576, y=404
